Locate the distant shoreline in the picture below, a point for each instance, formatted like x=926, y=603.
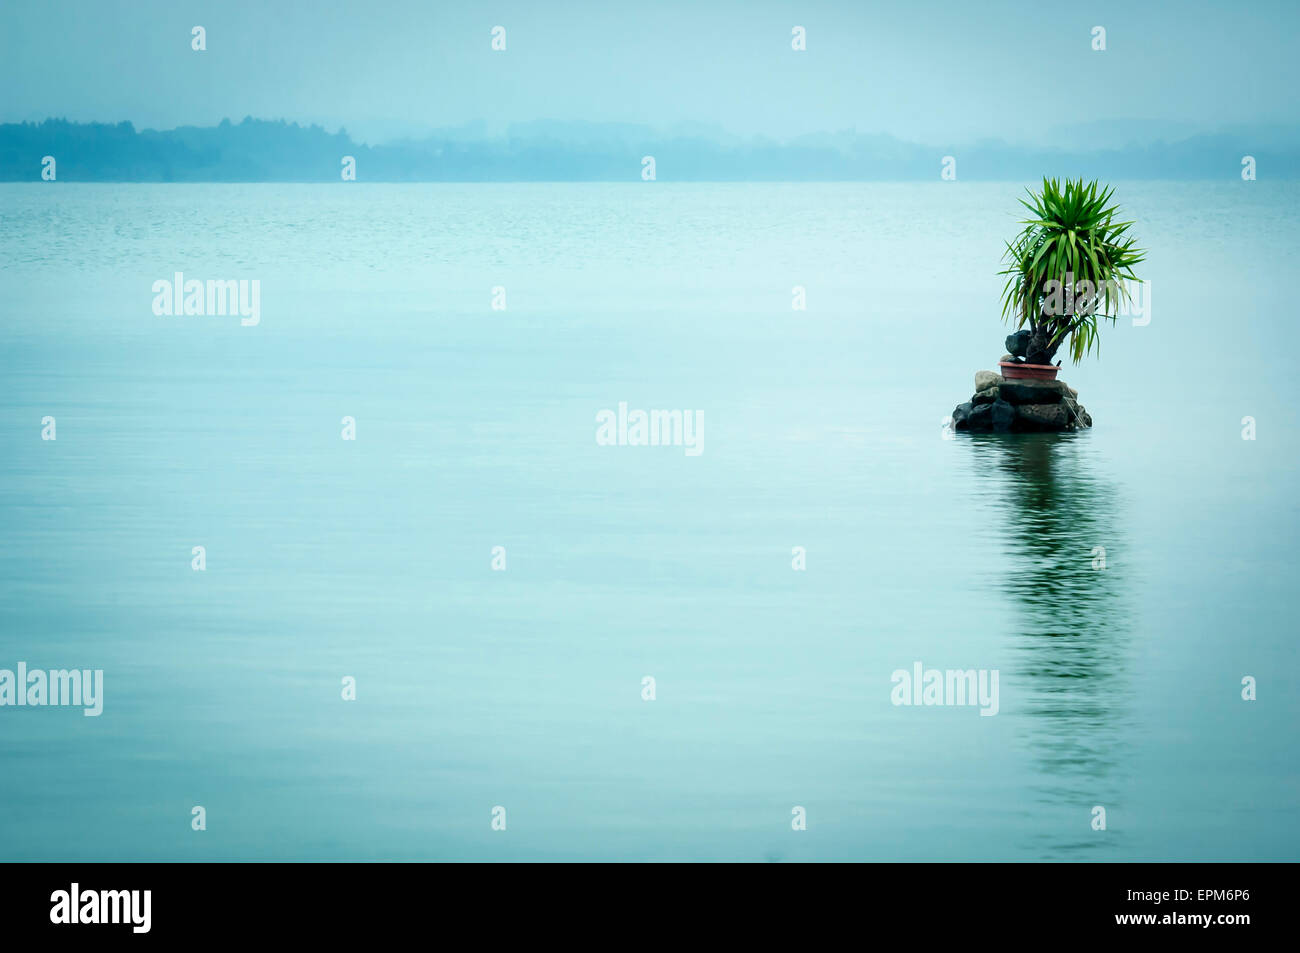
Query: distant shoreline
x=261, y=151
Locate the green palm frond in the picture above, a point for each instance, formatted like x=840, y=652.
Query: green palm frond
x=1071, y=238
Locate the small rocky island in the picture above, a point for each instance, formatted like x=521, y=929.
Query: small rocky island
x=1002, y=405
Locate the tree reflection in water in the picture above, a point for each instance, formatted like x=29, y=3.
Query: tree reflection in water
x=1073, y=623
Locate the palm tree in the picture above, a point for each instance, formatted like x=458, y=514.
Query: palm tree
x=1067, y=268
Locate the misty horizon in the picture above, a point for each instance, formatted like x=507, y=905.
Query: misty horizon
x=257, y=150
x=1092, y=136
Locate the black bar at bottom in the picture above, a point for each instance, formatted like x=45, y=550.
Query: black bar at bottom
x=368, y=901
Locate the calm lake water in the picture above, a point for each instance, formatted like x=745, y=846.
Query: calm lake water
x=475, y=428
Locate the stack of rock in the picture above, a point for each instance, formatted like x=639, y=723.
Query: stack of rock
x=1019, y=406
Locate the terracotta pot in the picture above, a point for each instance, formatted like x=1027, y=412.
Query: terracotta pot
x=1028, y=372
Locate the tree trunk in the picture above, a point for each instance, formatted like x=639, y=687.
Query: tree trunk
x=1041, y=349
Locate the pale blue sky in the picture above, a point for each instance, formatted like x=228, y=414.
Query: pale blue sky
x=929, y=71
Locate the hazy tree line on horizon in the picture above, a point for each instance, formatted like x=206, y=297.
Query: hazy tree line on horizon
x=279, y=151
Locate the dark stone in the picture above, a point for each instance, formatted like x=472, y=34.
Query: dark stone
x=1032, y=392
x=1018, y=343
x=986, y=396
x=981, y=418
x=1002, y=416
x=1042, y=417
x=961, y=416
